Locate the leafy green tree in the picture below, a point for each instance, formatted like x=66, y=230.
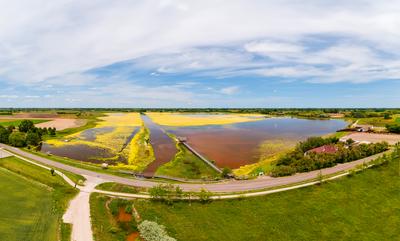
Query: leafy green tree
x=17, y=139
x=4, y=135
x=386, y=116
x=25, y=126
x=11, y=128
x=226, y=171
x=204, y=195
x=33, y=138
x=394, y=128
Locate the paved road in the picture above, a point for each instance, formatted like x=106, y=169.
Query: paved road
x=223, y=187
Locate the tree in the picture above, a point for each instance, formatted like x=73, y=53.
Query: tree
x=395, y=128
x=152, y=231
x=52, y=131
x=386, y=116
x=17, y=139
x=204, y=195
x=11, y=128
x=25, y=126
x=33, y=138
x=4, y=135
x=226, y=171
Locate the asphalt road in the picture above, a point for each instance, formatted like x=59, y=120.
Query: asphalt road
x=223, y=187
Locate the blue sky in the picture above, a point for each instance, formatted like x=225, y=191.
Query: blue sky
x=199, y=54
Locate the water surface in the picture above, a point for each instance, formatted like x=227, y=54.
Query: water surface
x=235, y=145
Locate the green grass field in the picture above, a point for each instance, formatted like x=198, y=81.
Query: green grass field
x=17, y=122
x=186, y=165
x=365, y=206
x=32, y=202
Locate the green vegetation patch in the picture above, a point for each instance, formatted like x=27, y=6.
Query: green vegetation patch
x=32, y=201
x=14, y=122
x=187, y=165
x=116, y=187
x=365, y=206
x=112, y=219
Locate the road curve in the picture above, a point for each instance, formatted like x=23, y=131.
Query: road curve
x=222, y=187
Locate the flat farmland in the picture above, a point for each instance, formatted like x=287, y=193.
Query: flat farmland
x=23, y=218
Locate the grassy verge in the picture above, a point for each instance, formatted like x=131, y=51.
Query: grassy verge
x=186, y=165
x=37, y=217
x=17, y=122
x=365, y=206
x=112, y=219
x=116, y=187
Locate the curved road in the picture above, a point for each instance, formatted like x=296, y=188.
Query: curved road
x=222, y=187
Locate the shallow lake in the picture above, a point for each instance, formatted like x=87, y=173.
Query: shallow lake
x=236, y=145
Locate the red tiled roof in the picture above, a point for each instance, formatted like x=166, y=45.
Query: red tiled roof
x=325, y=149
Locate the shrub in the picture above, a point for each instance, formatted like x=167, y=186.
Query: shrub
x=279, y=171
x=394, y=128
x=17, y=139
x=204, y=195
x=152, y=231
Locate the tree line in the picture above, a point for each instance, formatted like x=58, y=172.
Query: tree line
x=25, y=135
x=300, y=160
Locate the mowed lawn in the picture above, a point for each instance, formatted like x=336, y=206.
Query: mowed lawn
x=365, y=206
x=25, y=209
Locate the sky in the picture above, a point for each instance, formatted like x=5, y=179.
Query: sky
x=219, y=53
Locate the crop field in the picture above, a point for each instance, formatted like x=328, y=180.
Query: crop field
x=177, y=119
x=31, y=201
x=365, y=206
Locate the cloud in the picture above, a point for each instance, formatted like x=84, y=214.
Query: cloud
x=230, y=90
x=45, y=39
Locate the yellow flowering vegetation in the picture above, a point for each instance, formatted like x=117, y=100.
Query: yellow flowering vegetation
x=269, y=151
x=112, y=133
x=141, y=152
x=180, y=119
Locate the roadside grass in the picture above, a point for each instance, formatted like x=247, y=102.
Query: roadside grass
x=14, y=122
x=34, y=197
x=365, y=206
x=186, y=165
x=106, y=224
x=116, y=187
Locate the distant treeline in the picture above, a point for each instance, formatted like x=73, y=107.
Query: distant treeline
x=351, y=111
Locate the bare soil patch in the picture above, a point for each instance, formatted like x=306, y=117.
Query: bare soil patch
x=132, y=236
x=123, y=216
x=62, y=124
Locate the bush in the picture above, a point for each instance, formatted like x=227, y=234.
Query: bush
x=152, y=231
x=280, y=171
x=204, y=195
x=17, y=139
x=394, y=128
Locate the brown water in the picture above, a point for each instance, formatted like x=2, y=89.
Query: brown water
x=238, y=144
x=163, y=146
x=78, y=152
